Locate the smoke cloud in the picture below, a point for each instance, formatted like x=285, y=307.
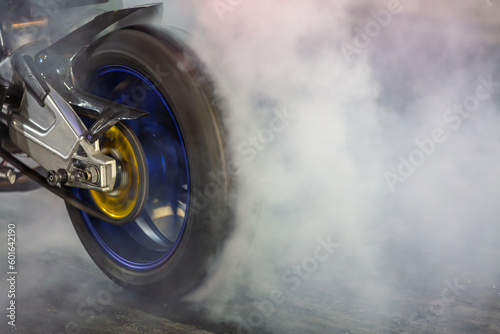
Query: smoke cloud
x=366, y=139
x=389, y=152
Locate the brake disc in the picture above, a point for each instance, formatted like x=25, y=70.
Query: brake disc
x=129, y=195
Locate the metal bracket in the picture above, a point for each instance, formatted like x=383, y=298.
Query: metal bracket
x=64, y=192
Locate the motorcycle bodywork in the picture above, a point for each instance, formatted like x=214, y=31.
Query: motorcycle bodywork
x=66, y=105
x=46, y=125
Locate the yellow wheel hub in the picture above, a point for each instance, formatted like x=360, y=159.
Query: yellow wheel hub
x=119, y=202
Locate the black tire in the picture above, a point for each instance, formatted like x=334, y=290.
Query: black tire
x=189, y=94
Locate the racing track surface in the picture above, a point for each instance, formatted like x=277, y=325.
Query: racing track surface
x=61, y=291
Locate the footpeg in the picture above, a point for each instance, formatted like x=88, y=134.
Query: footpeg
x=8, y=174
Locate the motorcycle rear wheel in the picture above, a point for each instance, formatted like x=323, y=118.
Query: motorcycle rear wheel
x=187, y=214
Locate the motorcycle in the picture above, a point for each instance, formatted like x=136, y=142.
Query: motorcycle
x=119, y=119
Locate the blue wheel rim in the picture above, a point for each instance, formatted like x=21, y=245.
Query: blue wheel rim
x=150, y=241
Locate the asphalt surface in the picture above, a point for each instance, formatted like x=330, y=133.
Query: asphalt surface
x=59, y=290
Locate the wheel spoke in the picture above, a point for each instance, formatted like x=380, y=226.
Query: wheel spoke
x=146, y=224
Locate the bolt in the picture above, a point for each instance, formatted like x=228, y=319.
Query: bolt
x=53, y=177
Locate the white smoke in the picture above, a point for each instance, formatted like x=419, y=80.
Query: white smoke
x=316, y=129
x=361, y=104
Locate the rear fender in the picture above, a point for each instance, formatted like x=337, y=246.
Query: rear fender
x=56, y=61
x=70, y=44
